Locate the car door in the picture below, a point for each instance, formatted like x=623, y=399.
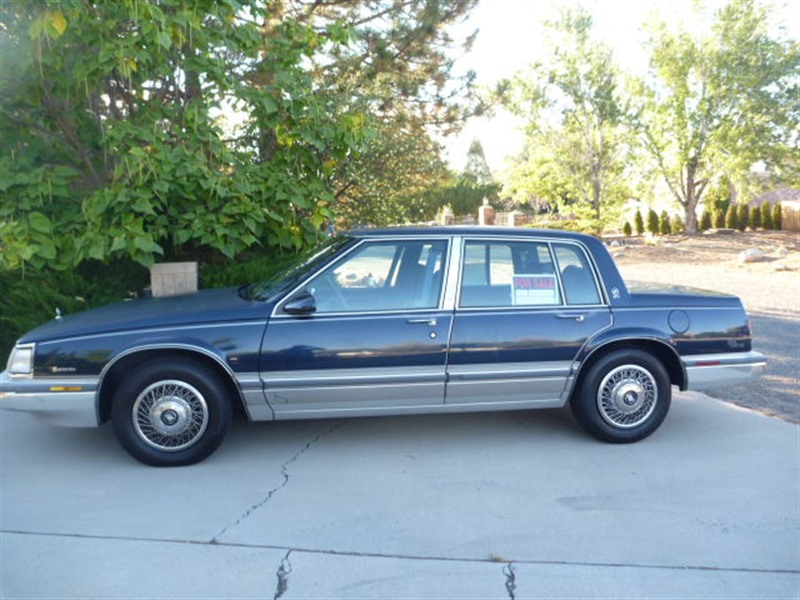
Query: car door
x=376, y=340
x=525, y=308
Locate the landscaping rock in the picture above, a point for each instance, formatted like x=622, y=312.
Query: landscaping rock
x=751, y=255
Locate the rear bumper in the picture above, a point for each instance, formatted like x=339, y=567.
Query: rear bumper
x=65, y=401
x=705, y=371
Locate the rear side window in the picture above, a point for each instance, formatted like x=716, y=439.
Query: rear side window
x=502, y=274
x=577, y=278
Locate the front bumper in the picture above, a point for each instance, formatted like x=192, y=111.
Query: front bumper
x=65, y=401
x=705, y=371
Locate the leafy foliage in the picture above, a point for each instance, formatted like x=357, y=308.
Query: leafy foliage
x=627, y=230
x=777, y=216
x=705, y=221
x=664, y=224
x=638, y=222
x=715, y=105
x=742, y=216
x=652, y=221
x=732, y=217
x=575, y=140
x=766, y=216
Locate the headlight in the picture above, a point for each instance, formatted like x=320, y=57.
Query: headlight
x=21, y=360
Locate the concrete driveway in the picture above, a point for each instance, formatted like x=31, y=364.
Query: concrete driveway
x=497, y=505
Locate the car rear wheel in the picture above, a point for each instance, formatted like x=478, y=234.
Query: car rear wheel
x=171, y=413
x=624, y=397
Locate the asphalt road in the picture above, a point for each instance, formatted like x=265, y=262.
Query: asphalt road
x=495, y=505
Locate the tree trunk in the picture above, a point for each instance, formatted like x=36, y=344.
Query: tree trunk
x=690, y=205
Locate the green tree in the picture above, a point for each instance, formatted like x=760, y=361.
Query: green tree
x=777, y=216
x=755, y=217
x=766, y=216
x=114, y=106
x=720, y=103
x=664, y=225
x=719, y=219
x=575, y=140
x=705, y=221
x=627, y=230
x=676, y=224
x=652, y=221
x=638, y=222
x=742, y=216
x=732, y=218
x=477, y=168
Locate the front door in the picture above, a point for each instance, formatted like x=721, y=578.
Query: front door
x=376, y=341
x=525, y=309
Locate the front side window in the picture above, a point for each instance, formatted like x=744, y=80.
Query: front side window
x=501, y=274
x=381, y=276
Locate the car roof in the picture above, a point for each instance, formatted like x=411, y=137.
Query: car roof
x=500, y=232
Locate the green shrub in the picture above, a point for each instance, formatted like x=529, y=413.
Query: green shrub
x=777, y=218
x=638, y=223
x=766, y=216
x=246, y=269
x=731, y=218
x=755, y=217
x=652, y=222
x=719, y=219
x=742, y=217
x=705, y=220
x=627, y=229
x=678, y=225
x=664, y=226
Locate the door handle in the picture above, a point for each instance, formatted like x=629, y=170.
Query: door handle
x=429, y=322
x=578, y=318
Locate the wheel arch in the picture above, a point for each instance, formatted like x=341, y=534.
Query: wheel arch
x=658, y=348
x=113, y=373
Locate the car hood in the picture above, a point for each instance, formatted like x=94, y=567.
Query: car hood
x=208, y=306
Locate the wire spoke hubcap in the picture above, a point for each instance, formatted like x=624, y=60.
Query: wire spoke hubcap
x=627, y=396
x=170, y=415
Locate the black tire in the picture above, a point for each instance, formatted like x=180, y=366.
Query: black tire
x=169, y=413
x=624, y=396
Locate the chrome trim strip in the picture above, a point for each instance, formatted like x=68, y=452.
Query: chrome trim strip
x=422, y=409
x=451, y=284
x=508, y=371
x=307, y=378
x=726, y=358
x=249, y=323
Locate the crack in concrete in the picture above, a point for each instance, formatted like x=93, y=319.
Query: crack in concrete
x=511, y=580
x=282, y=574
x=415, y=557
x=276, y=489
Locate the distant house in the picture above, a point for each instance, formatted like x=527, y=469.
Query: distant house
x=782, y=194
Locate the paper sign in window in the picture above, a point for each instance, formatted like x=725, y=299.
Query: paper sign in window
x=534, y=290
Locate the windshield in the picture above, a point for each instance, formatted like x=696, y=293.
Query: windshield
x=304, y=263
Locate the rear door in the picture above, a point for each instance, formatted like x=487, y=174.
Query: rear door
x=376, y=342
x=524, y=310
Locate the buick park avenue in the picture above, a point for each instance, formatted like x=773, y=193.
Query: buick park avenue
x=387, y=322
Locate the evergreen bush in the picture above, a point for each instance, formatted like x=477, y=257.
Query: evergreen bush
x=766, y=216
x=731, y=218
x=664, y=226
x=742, y=217
x=627, y=229
x=652, y=222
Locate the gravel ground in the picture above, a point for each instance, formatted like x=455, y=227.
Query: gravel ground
x=770, y=290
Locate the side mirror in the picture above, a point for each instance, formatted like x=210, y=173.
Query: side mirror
x=302, y=304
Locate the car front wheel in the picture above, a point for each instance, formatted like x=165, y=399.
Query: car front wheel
x=171, y=413
x=624, y=397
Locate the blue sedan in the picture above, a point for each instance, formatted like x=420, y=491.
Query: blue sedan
x=387, y=322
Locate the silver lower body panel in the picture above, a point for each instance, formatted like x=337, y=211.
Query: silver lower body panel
x=717, y=370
